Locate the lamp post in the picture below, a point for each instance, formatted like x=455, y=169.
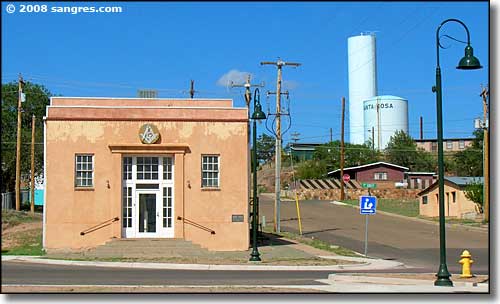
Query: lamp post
x=257, y=115
x=468, y=62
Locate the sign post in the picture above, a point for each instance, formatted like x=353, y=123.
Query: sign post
x=367, y=206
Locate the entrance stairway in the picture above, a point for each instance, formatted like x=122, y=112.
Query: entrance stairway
x=142, y=249
x=147, y=249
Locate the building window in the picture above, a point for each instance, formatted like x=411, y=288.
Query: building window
x=424, y=199
x=167, y=207
x=454, y=196
x=84, y=170
x=461, y=144
x=449, y=145
x=127, y=168
x=147, y=168
x=127, y=207
x=210, y=171
x=380, y=176
x=434, y=146
x=437, y=198
x=167, y=168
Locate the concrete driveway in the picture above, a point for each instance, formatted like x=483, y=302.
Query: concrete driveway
x=413, y=242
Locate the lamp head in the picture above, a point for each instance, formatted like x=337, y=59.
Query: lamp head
x=469, y=62
x=257, y=109
x=257, y=112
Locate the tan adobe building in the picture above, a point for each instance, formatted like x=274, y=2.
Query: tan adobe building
x=455, y=202
x=145, y=168
x=449, y=144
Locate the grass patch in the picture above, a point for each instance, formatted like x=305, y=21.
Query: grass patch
x=28, y=243
x=11, y=218
x=408, y=208
x=319, y=244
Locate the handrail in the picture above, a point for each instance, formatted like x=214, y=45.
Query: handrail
x=99, y=226
x=190, y=222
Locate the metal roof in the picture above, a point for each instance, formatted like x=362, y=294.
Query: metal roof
x=464, y=180
x=370, y=165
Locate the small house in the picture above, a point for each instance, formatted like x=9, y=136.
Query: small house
x=385, y=175
x=455, y=202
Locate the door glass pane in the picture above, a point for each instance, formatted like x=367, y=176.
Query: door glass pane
x=147, y=212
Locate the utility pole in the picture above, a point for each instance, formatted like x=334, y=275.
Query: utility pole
x=421, y=128
x=331, y=135
x=373, y=139
x=484, y=94
x=277, y=203
x=342, y=195
x=18, y=144
x=191, y=90
x=295, y=136
x=248, y=97
x=32, y=205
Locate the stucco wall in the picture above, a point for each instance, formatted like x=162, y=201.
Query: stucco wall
x=70, y=211
x=461, y=206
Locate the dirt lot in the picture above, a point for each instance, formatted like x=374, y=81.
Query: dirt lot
x=9, y=232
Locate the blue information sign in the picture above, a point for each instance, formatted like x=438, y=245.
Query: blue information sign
x=367, y=205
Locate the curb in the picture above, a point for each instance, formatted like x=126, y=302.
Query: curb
x=363, y=265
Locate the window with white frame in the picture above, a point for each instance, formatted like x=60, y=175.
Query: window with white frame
x=127, y=207
x=380, y=176
x=84, y=170
x=127, y=168
x=147, y=168
x=167, y=168
x=449, y=145
x=461, y=144
x=210, y=171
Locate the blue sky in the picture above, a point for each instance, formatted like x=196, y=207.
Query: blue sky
x=165, y=45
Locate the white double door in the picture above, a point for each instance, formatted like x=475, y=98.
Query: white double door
x=148, y=206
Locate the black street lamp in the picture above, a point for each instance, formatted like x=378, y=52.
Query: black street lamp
x=468, y=62
x=257, y=115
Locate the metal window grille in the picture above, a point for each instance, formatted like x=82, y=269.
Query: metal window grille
x=210, y=171
x=84, y=170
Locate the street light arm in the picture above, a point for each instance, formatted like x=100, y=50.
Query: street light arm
x=438, y=44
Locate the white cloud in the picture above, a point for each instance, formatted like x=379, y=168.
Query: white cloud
x=235, y=76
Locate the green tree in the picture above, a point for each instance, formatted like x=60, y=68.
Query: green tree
x=354, y=155
x=265, y=148
x=402, y=150
x=469, y=162
x=311, y=169
x=474, y=192
x=37, y=98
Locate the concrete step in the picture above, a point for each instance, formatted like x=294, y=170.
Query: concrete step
x=147, y=248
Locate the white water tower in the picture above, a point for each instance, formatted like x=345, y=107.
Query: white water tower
x=383, y=116
x=362, y=81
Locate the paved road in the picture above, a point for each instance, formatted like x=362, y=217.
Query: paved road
x=41, y=274
x=414, y=243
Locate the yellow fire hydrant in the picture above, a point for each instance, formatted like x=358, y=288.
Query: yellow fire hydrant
x=466, y=261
